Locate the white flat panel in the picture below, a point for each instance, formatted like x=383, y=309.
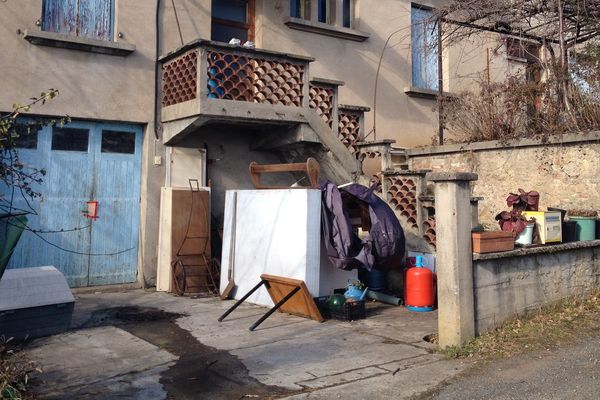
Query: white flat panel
x=186, y=164
x=276, y=232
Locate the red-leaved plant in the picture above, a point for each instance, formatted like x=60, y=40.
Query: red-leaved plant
x=524, y=201
x=513, y=221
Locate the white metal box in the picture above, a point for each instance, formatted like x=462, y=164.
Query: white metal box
x=548, y=225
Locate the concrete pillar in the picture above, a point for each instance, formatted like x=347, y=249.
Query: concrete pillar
x=454, y=257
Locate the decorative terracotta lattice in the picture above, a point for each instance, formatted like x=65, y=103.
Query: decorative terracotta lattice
x=242, y=78
x=402, y=197
x=430, y=234
x=321, y=100
x=349, y=130
x=179, y=79
x=376, y=180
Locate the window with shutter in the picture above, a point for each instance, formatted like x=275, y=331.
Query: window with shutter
x=92, y=19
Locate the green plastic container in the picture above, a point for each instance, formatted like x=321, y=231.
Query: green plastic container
x=586, y=228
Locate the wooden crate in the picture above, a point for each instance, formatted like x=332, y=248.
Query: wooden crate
x=491, y=242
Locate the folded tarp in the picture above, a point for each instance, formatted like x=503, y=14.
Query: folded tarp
x=382, y=248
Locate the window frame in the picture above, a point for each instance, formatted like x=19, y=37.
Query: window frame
x=72, y=128
x=327, y=12
x=249, y=26
x=110, y=37
x=105, y=131
x=421, y=61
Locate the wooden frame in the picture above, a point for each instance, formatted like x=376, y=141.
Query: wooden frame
x=250, y=24
x=290, y=296
x=311, y=167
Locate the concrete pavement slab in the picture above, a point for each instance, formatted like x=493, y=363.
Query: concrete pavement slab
x=286, y=353
x=94, y=356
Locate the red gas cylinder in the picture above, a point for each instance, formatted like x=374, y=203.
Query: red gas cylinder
x=419, y=293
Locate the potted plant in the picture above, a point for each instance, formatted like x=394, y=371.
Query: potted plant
x=586, y=223
x=514, y=221
x=524, y=201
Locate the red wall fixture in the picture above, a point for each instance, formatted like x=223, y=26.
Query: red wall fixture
x=92, y=210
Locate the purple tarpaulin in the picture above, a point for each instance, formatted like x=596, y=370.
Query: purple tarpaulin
x=382, y=249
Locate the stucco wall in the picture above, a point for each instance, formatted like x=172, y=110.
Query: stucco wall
x=565, y=171
x=97, y=86
x=410, y=121
x=506, y=287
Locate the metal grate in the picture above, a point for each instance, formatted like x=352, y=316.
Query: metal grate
x=242, y=78
x=349, y=130
x=179, y=79
x=321, y=100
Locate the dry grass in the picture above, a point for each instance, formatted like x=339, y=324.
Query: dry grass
x=14, y=372
x=560, y=323
x=516, y=109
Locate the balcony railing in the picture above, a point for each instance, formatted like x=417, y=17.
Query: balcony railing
x=209, y=79
x=208, y=70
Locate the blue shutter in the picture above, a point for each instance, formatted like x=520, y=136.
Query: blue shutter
x=322, y=11
x=295, y=8
x=424, y=49
x=96, y=19
x=60, y=16
x=88, y=18
x=347, y=13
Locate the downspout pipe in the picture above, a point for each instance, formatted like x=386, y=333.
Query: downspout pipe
x=157, y=74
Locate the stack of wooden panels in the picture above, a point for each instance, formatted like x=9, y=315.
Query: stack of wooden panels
x=184, y=233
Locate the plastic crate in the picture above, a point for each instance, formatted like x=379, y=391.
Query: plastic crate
x=351, y=311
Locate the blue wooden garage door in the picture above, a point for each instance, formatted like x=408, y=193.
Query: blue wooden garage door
x=84, y=161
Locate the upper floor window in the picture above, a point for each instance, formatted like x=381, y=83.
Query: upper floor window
x=300, y=9
x=232, y=19
x=332, y=12
x=92, y=19
x=424, y=48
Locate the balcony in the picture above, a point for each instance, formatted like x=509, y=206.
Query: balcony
x=222, y=83
x=209, y=83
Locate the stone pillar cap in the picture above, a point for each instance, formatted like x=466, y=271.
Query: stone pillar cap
x=451, y=176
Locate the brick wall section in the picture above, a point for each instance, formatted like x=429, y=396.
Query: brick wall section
x=566, y=174
x=505, y=287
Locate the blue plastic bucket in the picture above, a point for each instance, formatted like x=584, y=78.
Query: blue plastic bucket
x=374, y=279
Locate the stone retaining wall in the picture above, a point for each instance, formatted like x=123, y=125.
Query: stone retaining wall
x=514, y=283
x=564, y=170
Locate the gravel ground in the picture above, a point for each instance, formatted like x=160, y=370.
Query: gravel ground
x=569, y=372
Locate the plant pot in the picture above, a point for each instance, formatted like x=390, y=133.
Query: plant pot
x=586, y=227
x=569, y=231
x=525, y=238
x=562, y=212
x=492, y=242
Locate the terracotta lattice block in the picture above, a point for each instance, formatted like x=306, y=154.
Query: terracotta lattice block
x=402, y=197
x=179, y=82
x=430, y=234
x=243, y=78
x=349, y=130
x=321, y=100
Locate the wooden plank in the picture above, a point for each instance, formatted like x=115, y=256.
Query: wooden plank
x=311, y=168
x=301, y=304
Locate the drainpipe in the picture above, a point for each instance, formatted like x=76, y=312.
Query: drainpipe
x=157, y=74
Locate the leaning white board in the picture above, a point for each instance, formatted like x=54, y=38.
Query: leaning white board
x=276, y=232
